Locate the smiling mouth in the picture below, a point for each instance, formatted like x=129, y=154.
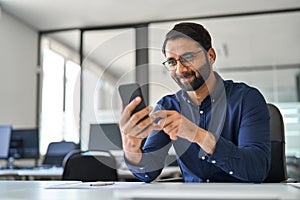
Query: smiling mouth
x=186, y=77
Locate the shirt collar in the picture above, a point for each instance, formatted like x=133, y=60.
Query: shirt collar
x=214, y=95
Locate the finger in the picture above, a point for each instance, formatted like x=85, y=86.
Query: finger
x=132, y=105
x=173, y=133
x=170, y=125
x=162, y=123
x=126, y=129
x=122, y=108
x=172, y=120
x=136, y=123
x=146, y=131
x=137, y=117
x=159, y=114
x=173, y=136
x=126, y=113
x=141, y=125
x=156, y=127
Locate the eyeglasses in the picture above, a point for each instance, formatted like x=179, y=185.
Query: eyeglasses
x=186, y=60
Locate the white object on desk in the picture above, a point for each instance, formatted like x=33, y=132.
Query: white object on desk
x=297, y=185
x=96, y=185
x=101, y=183
x=81, y=185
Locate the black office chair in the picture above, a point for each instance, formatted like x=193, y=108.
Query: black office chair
x=56, y=152
x=277, y=171
x=90, y=166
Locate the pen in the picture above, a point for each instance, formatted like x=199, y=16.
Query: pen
x=101, y=183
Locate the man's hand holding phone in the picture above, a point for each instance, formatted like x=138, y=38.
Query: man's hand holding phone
x=135, y=123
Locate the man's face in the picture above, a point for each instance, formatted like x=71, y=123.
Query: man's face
x=192, y=68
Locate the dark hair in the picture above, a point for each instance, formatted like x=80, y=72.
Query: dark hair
x=189, y=30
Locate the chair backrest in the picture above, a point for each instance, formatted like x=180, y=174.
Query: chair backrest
x=90, y=166
x=277, y=171
x=56, y=152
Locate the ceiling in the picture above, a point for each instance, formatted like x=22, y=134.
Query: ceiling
x=63, y=14
x=49, y=15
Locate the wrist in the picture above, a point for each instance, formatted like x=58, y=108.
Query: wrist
x=205, y=140
x=133, y=155
x=131, y=144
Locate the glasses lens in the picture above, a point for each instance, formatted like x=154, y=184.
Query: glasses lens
x=170, y=64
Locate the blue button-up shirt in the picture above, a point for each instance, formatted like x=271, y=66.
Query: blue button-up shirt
x=237, y=115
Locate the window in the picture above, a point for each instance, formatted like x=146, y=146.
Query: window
x=60, y=100
x=52, y=99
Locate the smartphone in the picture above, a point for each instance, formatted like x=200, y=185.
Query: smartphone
x=130, y=91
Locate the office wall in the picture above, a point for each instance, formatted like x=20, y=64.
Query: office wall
x=18, y=82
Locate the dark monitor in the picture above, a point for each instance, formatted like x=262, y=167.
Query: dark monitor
x=105, y=137
x=5, y=135
x=24, y=144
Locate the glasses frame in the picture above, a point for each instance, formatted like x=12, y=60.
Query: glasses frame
x=185, y=62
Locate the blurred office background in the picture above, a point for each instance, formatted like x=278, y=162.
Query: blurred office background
x=61, y=61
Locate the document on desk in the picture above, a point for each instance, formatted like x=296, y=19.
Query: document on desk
x=81, y=185
x=297, y=185
x=94, y=185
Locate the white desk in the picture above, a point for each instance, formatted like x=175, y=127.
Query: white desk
x=215, y=191
x=36, y=190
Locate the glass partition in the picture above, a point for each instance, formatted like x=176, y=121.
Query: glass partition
x=109, y=60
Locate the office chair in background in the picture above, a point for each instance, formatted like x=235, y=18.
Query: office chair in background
x=90, y=166
x=277, y=171
x=293, y=168
x=56, y=152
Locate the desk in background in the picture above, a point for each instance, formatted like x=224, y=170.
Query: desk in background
x=33, y=190
x=55, y=173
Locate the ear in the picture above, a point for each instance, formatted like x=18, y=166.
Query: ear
x=211, y=55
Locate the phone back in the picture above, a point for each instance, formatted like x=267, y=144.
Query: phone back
x=128, y=92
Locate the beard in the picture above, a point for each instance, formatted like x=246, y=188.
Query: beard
x=197, y=82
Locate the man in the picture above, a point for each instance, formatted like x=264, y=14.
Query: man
x=219, y=129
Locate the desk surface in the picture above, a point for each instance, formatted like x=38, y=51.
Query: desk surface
x=23, y=190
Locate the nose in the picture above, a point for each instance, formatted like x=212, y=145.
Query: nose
x=180, y=68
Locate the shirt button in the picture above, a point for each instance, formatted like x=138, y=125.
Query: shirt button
x=207, y=180
x=230, y=172
x=213, y=161
x=188, y=101
x=141, y=168
x=201, y=112
x=203, y=157
x=213, y=100
x=146, y=176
